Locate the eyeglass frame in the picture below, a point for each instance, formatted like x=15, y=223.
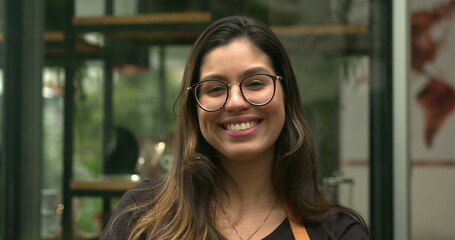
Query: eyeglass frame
x=273, y=77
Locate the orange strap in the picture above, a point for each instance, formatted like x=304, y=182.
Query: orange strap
x=299, y=231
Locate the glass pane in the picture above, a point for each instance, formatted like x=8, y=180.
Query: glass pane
x=432, y=118
x=326, y=41
x=53, y=91
x=52, y=150
x=328, y=47
x=88, y=143
x=88, y=120
x=143, y=101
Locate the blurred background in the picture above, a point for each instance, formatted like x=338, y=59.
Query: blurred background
x=87, y=90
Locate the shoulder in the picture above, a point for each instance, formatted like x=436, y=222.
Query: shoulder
x=338, y=226
x=121, y=220
x=140, y=193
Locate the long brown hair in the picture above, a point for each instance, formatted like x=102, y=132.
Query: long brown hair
x=182, y=207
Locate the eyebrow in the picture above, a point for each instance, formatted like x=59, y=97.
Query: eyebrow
x=255, y=70
x=248, y=72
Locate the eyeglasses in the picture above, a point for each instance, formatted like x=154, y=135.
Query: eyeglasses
x=256, y=89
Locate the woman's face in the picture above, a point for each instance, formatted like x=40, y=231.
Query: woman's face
x=231, y=63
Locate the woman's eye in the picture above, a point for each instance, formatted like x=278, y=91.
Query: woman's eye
x=254, y=83
x=257, y=83
x=215, y=89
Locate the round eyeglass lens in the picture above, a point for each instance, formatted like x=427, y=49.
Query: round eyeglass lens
x=258, y=89
x=211, y=94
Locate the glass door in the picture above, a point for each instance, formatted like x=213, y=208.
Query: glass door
x=128, y=77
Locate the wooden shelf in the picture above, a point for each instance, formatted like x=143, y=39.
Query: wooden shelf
x=157, y=37
x=315, y=30
x=187, y=21
x=145, y=19
x=54, y=41
x=327, y=39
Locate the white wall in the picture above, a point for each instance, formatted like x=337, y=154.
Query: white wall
x=433, y=195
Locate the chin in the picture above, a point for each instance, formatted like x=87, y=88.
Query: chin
x=245, y=154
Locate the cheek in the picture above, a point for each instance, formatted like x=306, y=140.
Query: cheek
x=276, y=114
x=204, y=122
x=280, y=104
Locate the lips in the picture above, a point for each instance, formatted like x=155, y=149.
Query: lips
x=241, y=126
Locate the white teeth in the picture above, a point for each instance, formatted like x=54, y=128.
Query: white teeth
x=241, y=126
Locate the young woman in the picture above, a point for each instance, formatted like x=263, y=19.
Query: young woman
x=245, y=162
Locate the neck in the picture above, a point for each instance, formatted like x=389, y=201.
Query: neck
x=250, y=209
x=251, y=181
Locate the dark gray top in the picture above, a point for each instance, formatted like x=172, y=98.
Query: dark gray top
x=343, y=227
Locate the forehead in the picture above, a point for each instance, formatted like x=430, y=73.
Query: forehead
x=234, y=56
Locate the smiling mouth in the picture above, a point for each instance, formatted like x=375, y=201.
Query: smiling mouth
x=240, y=126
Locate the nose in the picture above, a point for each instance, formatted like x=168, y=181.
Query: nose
x=235, y=101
